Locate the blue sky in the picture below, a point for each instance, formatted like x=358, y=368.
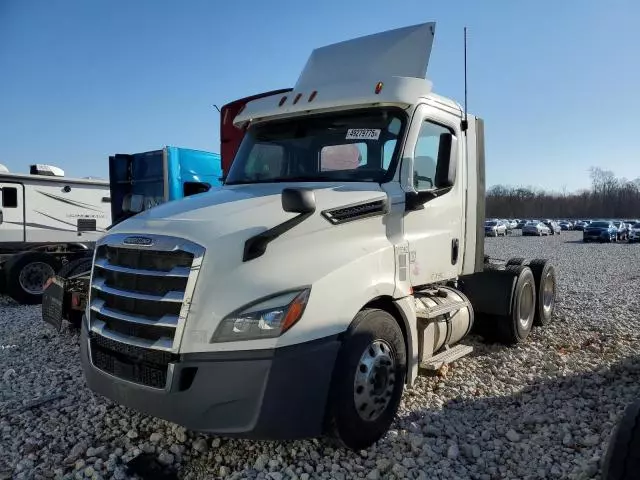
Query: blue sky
x=556, y=81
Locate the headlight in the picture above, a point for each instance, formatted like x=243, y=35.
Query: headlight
x=268, y=318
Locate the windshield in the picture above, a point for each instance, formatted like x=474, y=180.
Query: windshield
x=599, y=224
x=532, y=224
x=346, y=147
x=490, y=224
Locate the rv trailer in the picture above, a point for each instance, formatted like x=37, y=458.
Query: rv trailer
x=46, y=219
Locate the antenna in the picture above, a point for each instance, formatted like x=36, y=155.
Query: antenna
x=217, y=107
x=465, y=123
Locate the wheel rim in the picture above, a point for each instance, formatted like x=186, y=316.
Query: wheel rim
x=526, y=304
x=33, y=277
x=548, y=294
x=374, y=380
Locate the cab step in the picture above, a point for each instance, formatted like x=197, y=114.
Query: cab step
x=437, y=311
x=445, y=357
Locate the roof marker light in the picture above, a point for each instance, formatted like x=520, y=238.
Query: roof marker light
x=282, y=100
x=313, y=95
x=379, y=86
x=298, y=96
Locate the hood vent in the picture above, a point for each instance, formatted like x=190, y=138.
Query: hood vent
x=356, y=211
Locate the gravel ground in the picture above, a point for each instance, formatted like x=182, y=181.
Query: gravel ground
x=544, y=409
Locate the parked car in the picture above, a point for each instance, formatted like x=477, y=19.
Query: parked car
x=600, y=231
x=495, y=228
x=513, y=223
x=634, y=233
x=554, y=227
x=566, y=225
x=535, y=228
x=621, y=228
x=507, y=224
x=521, y=223
x=581, y=224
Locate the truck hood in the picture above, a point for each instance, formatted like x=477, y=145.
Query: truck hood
x=247, y=208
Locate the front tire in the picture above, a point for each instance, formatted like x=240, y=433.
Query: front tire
x=368, y=380
x=622, y=459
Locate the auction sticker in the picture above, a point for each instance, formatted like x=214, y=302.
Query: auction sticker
x=363, y=134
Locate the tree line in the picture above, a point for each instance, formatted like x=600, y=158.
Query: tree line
x=608, y=197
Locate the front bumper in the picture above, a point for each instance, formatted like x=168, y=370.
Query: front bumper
x=274, y=394
x=597, y=235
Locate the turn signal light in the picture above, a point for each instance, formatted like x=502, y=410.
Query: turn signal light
x=378, y=88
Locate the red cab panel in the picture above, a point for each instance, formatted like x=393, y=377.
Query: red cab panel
x=230, y=136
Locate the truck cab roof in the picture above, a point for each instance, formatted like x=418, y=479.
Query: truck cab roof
x=383, y=69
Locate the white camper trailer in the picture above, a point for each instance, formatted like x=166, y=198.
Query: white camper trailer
x=44, y=217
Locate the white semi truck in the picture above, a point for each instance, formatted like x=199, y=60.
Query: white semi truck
x=302, y=296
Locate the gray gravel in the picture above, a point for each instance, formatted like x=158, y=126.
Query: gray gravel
x=544, y=409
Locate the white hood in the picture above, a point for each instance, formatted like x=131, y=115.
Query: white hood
x=249, y=209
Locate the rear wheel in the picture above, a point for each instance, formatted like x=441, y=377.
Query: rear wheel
x=26, y=275
x=368, y=380
x=515, y=327
x=545, y=284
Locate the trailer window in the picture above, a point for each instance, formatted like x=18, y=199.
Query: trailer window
x=9, y=197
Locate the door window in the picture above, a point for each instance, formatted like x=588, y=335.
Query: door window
x=425, y=155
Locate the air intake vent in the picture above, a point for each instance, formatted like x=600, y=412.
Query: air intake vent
x=356, y=211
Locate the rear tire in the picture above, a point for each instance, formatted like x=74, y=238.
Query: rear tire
x=546, y=287
x=515, y=261
x=515, y=327
x=75, y=267
x=368, y=380
x=622, y=459
x=26, y=275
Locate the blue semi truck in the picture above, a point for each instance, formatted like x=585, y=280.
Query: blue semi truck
x=137, y=182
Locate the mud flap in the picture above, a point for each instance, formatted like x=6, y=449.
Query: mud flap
x=53, y=303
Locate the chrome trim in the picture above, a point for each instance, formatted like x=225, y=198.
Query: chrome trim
x=162, y=243
x=164, y=344
x=167, y=387
x=182, y=272
x=172, y=296
x=169, y=321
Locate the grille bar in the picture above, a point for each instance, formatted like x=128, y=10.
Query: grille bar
x=182, y=272
x=173, y=296
x=98, y=326
x=98, y=306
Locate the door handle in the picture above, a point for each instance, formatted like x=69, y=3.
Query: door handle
x=455, y=247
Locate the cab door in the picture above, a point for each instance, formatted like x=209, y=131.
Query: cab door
x=11, y=213
x=434, y=228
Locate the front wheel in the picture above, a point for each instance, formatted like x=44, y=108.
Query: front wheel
x=622, y=458
x=368, y=380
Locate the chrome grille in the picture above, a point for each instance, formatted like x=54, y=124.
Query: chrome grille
x=140, y=296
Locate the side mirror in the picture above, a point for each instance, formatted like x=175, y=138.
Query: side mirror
x=447, y=161
x=298, y=200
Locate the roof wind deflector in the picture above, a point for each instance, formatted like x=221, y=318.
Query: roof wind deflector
x=403, y=52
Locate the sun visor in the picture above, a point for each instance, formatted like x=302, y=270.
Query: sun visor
x=403, y=52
